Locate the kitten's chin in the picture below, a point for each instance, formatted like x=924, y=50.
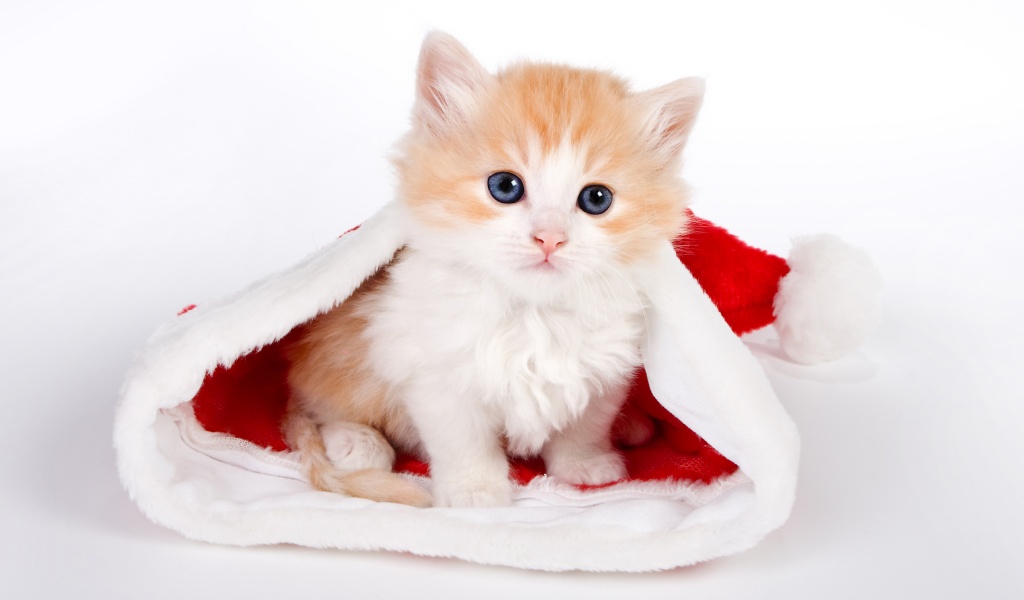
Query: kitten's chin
x=539, y=281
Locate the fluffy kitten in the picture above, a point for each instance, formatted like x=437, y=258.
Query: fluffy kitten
x=510, y=323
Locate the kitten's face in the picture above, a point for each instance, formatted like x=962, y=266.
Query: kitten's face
x=542, y=176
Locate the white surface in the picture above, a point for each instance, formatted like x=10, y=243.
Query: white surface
x=151, y=157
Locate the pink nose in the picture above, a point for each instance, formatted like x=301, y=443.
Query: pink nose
x=549, y=241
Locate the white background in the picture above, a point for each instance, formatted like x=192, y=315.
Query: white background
x=154, y=155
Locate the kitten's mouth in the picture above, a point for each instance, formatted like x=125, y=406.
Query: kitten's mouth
x=544, y=266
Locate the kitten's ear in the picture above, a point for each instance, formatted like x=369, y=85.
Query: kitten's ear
x=448, y=83
x=670, y=112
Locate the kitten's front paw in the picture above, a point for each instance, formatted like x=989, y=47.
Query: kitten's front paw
x=477, y=494
x=593, y=469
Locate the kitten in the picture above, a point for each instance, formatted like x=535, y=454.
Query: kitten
x=510, y=323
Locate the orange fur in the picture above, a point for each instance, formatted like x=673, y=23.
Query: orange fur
x=327, y=364
x=329, y=380
x=549, y=105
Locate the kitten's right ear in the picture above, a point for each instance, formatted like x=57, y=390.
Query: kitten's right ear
x=448, y=83
x=670, y=111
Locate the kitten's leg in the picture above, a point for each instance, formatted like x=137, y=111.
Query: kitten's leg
x=583, y=453
x=354, y=447
x=468, y=466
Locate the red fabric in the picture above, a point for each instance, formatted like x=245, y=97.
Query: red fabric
x=248, y=398
x=741, y=280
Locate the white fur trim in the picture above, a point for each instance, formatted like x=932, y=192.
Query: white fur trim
x=216, y=488
x=828, y=303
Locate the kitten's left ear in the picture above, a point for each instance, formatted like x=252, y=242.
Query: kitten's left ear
x=670, y=112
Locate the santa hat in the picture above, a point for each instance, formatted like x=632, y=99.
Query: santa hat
x=711, y=454
x=822, y=300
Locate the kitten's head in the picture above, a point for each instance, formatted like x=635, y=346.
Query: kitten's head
x=541, y=174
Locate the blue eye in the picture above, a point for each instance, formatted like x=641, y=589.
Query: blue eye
x=595, y=199
x=506, y=187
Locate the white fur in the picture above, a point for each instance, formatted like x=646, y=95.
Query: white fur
x=828, y=303
x=476, y=360
x=583, y=452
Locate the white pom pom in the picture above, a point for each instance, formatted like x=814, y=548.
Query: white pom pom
x=828, y=303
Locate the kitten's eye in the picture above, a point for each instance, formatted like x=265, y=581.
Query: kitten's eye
x=595, y=199
x=506, y=187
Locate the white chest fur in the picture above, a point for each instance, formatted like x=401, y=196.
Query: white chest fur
x=528, y=368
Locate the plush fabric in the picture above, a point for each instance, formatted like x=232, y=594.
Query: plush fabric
x=827, y=304
x=200, y=451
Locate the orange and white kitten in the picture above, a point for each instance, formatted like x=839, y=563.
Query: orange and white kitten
x=511, y=322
